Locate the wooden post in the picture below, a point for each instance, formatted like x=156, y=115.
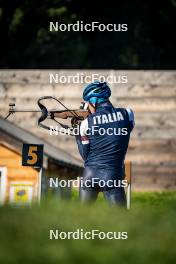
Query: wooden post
x=128, y=178
x=40, y=184
x=32, y=155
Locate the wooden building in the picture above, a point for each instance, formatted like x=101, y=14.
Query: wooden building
x=19, y=184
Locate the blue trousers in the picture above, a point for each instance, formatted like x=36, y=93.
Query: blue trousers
x=113, y=195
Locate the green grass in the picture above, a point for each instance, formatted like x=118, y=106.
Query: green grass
x=151, y=227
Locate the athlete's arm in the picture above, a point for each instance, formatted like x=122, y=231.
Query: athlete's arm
x=131, y=117
x=83, y=140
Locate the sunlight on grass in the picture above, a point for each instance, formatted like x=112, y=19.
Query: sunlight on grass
x=150, y=225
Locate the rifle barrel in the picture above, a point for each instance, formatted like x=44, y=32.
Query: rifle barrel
x=21, y=111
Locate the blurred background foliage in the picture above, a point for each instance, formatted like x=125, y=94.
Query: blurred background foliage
x=25, y=40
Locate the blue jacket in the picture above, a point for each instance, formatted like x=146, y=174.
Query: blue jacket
x=104, y=137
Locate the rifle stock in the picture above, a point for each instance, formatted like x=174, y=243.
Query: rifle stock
x=71, y=113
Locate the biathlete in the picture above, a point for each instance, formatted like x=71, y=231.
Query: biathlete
x=103, y=143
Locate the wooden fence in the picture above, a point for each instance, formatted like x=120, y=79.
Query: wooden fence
x=151, y=94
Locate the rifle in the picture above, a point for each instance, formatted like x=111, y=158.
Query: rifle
x=79, y=114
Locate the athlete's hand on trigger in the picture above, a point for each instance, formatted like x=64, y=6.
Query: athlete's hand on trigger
x=75, y=121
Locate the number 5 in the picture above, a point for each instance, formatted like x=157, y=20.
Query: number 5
x=33, y=155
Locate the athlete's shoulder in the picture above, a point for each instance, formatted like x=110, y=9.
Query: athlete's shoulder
x=130, y=114
x=127, y=111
